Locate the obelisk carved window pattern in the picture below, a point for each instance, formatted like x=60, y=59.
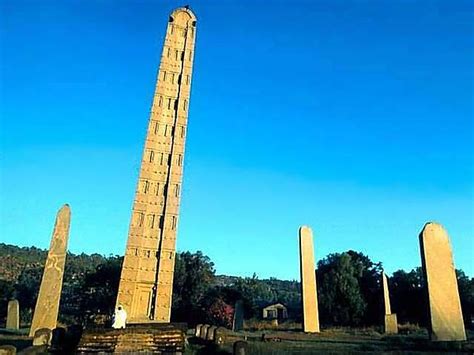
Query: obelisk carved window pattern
x=147, y=274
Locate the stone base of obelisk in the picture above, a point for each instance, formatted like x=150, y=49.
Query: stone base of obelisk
x=391, y=326
x=162, y=338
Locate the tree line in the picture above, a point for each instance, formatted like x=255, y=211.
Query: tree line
x=349, y=290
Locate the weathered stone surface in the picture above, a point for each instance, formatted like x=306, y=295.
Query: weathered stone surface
x=308, y=282
x=220, y=335
x=238, y=321
x=390, y=324
x=149, y=339
x=146, y=280
x=390, y=320
x=13, y=315
x=386, y=294
x=47, y=303
x=211, y=333
x=42, y=336
x=7, y=350
x=197, y=331
x=204, y=330
x=446, y=322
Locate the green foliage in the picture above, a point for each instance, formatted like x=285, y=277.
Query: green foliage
x=100, y=287
x=194, y=275
x=407, y=296
x=349, y=289
x=466, y=293
x=341, y=300
x=6, y=293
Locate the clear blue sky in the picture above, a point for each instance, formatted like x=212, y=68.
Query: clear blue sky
x=354, y=117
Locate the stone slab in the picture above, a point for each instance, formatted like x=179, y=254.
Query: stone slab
x=391, y=325
x=386, y=294
x=47, y=303
x=204, y=330
x=197, y=331
x=308, y=281
x=13, y=315
x=445, y=315
x=238, y=321
x=42, y=336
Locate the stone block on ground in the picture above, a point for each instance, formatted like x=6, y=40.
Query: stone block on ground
x=7, y=350
x=197, y=331
x=391, y=325
x=204, y=330
x=211, y=333
x=42, y=337
x=151, y=339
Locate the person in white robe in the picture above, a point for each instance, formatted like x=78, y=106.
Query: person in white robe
x=120, y=318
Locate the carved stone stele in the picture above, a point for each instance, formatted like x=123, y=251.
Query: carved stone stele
x=47, y=303
x=308, y=281
x=390, y=320
x=445, y=315
x=146, y=280
x=13, y=315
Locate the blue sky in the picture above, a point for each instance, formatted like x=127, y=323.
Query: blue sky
x=354, y=117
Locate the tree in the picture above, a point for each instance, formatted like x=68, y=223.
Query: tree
x=466, y=294
x=27, y=290
x=221, y=314
x=408, y=297
x=194, y=275
x=254, y=293
x=100, y=287
x=341, y=301
x=6, y=293
x=370, y=286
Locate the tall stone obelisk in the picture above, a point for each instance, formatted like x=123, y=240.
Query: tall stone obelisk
x=445, y=314
x=390, y=319
x=146, y=281
x=308, y=282
x=47, y=303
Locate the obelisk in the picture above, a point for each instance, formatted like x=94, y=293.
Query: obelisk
x=308, y=282
x=47, y=303
x=445, y=315
x=390, y=319
x=146, y=280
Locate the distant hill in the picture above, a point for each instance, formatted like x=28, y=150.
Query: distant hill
x=14, y=260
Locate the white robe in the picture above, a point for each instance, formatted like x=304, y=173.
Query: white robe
x=120, y=319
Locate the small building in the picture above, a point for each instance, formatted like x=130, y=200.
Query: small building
x=275, y=311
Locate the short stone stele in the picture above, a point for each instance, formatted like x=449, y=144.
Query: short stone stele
x=390, y=324
x=308, y=282
x=197, y=332
x=13, y=315
x=47, y=303
x=238, y=320
x=445, y=315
